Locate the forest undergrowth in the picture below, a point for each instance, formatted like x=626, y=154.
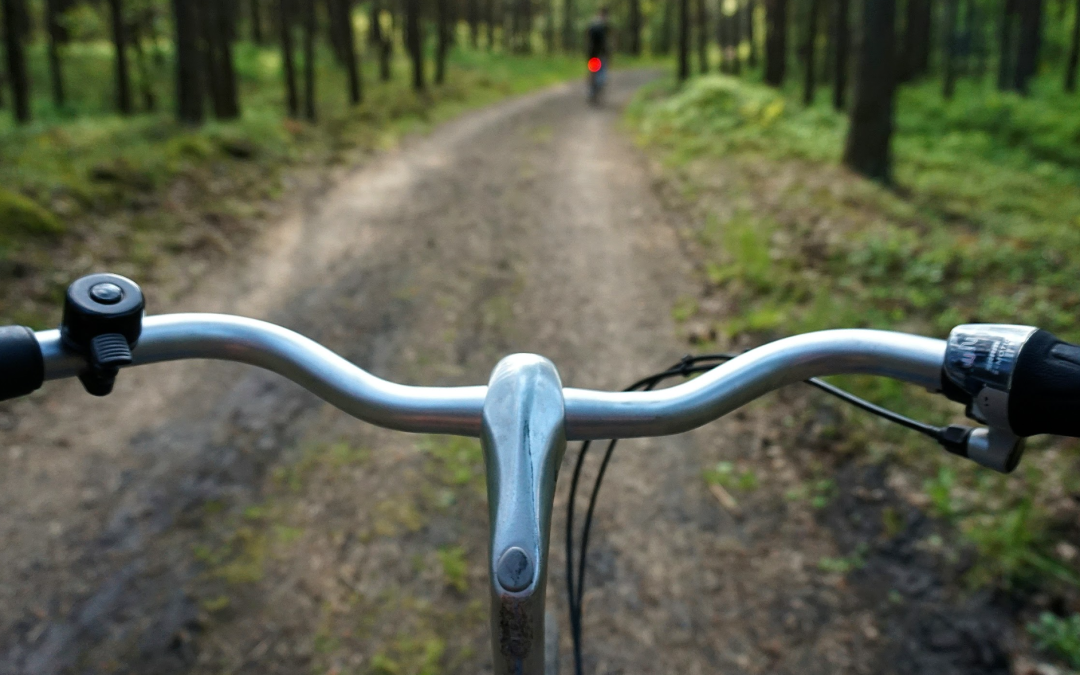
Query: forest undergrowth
x=981, y=225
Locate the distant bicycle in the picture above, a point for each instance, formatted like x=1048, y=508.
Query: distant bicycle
x=597, y=79
x=1015, y=381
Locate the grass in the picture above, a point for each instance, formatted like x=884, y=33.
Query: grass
x=982, y=226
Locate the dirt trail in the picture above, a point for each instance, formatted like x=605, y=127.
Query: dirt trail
x=196, y=522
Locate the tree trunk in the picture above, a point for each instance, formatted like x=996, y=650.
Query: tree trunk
x=56, y=75
x=226, y=29
x=340, y=15
x=915, y=57
x=310, y=25
x=734, y=60
x=842, y=38
x=549, y=27
x=569, y=32
x=146, y=84
x=775, y=41
x=189, y=89
x=662, y=37
x=285, y=17
x=256, y=22
x=123, y=81
x=442, y=39
x=472, y=15
x=684, y=40
x=1005, y=65
x=489, y=12
x=1027, y=52
x=414, y=39
x=634, y=28
x=1074, y=53
x=702, y=35
x=949, y=47
x=810, y=49
x=869, y=143
x=16, y=59
x=751, y=20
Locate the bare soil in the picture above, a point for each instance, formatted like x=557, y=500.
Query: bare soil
x=209, y=518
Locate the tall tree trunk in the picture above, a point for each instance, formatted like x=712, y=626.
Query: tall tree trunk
x=842, y=38
x=340, y=15
x=226, y=29
x=734, y=35
x=472, y=15
x=442, y=39
x=123, y=80
x=684, y=40
x=1030, y=43
x=375, y=24
x=869, y=143
x=949, y=47
x=1074, y=53
x=310, y=25
x=549, y=27
x=569, y=31
x=775, y=41
x=414, y=38
x=56, y=74
x=146, y=84
x=1005, y=64
x=285, y=17
x=751, y=30
x=662, y=37
x=703, y=35
x=189, y=88
x=634, y=28
x=810, y=49
x=256, y=21
x=915, y=57
x=14, y=11
x=489, y=13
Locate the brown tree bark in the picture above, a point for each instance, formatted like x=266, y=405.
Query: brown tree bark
x=1074, y=53
x=56, y=74
x=340, y=15
x=142, y=65
x=684, y=40
x=810, y=50
x=189, y=87
x=1029, y=45
x=310, y=24
x=414, y=39
x=869, y=142
x=775, y=41
x=702, y=35
x=751, y=29
x=949, y=48
x=256, y=21
x=442, y=39
x=1007, y=60
x=916, y=48
x=123, y=80
x=285, y=17
x=226, y=29
x=633, y=28
x=842, y=38
x=14, y=11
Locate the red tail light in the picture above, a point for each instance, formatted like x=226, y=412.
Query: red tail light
x=594, y=65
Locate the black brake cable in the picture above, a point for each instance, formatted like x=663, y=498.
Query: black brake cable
x=687, y=366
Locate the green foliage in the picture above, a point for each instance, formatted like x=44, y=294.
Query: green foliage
x=458, y=461
x=725, y=475
x=21, y=217
x=1060, y=635
x=455, y=567
x=981, y=229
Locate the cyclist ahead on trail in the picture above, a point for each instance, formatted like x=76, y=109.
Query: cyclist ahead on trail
x=596, y=36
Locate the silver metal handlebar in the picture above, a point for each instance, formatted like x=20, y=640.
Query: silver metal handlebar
x=524, y=418
x=457, y=410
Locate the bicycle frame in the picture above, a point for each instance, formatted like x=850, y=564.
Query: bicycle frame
x=524, y=418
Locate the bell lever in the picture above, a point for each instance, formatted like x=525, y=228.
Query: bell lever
x=102, y=320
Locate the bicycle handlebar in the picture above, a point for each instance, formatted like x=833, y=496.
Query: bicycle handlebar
x=457, y=410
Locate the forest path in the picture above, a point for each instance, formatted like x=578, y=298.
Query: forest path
x=212, y=518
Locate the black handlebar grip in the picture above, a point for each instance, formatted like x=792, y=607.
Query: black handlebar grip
x=1045, y=394
x=22, y=367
